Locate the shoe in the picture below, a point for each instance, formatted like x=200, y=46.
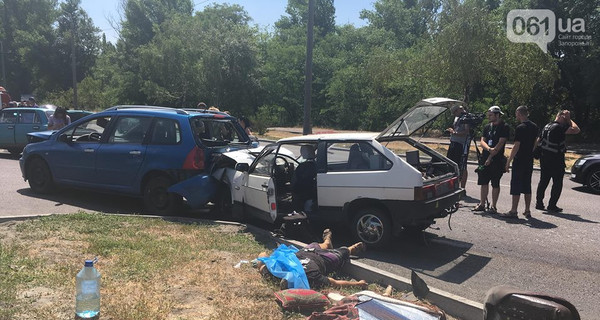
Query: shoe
x=492, y=210
x=510, y=214
x=554, y=209
x=540, y=206
x=479, y=208
x=527, y=214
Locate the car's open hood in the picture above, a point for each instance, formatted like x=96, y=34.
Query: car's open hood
x=424, y=112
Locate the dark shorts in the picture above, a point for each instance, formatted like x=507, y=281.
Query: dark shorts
x=335, y=257
x=492, y=173
x=455, y=153
x=520, y=180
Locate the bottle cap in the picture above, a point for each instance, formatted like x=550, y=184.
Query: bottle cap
x=89, y=263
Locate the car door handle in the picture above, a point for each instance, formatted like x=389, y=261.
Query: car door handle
x=135, y=152
x=36, y=127
x=89, y=150
x=11, y=127
x=265, y=185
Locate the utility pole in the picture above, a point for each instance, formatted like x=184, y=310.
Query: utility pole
x=307, y=128
x=3, y=72
x=73, y=58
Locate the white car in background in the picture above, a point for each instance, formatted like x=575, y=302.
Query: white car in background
x=376, y=185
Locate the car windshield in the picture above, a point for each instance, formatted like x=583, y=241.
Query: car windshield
x=217, y=132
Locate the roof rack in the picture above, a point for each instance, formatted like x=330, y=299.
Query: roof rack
x=205, y=111
x=120, y=107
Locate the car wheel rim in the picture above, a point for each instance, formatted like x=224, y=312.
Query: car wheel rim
x=370, y=228
x=595, y=181
x=159, y=197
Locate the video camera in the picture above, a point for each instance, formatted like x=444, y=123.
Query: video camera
x=472, y=119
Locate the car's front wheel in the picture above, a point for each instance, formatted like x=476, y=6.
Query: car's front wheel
x=157, y=199
x=593, y=179
x=39, y=176
x=372, y=226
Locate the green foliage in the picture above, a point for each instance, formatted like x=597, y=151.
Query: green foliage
x=267, y=116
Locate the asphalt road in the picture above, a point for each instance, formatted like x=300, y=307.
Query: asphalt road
x=557, y=254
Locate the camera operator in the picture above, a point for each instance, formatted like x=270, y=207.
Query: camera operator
x=492, y=162
x=460, y=141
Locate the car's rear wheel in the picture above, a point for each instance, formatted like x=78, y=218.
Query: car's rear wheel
x=39, y=176
x=157, y=199
x=372, y=226
x=593, y=179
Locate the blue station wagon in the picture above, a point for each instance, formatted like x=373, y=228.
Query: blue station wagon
x=158, y=153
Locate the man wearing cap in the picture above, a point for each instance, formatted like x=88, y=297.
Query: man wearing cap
x=459, y=142
x=32, y=102
x=552, y=160
x=492, y=161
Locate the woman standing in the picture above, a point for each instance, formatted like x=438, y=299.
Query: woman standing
x=59, y=119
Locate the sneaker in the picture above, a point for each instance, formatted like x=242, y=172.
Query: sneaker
x=527, y=214
x=540, y=206
x=492, y=210
x=554, y=209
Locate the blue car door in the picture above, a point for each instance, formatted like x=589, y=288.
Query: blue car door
x=73, y=158
x=8, y=120
x=29, y=121
x=118, y=161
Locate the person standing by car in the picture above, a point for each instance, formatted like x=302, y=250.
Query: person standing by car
x=552, y=159
x=492, y=161
x=522, y=153
x=460, y=140
x=59, y=119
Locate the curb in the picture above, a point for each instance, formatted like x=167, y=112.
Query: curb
x=453, y=305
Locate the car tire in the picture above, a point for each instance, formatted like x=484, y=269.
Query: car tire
x=157, y=199
x=372, y=226
x=39, y=176
x=593, y=179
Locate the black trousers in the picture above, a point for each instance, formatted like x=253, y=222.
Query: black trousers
x=552, y=167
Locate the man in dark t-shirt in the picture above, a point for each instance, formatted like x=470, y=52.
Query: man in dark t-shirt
x=319, y=260
x=552, y=161
x=492, y=161
x=522, y=152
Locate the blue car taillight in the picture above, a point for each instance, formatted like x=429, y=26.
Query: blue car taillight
x=194, y=159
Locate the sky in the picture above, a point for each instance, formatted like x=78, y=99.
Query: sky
x=263, y=12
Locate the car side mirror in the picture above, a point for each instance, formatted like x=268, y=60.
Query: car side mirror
x=64, y=138
x=243, y=167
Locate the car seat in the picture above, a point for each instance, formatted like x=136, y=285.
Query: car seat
x=304, y=181
x=357, y=159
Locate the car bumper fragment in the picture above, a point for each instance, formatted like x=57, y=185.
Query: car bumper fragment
x=197, y=190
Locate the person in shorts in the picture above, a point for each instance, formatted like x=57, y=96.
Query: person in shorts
x=492, y=162
x=319, y=260
x=459, y=143
x=522, y=152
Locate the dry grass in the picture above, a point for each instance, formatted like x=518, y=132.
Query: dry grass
x=151, y=269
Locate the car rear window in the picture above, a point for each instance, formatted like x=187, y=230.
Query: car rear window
x=217, y=131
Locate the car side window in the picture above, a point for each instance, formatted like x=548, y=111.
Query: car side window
x=89, y=131
x=264, y=165
x=8, y=117
x=165, y=132
x=130, y=130
x=28, y=117
x=355, y=156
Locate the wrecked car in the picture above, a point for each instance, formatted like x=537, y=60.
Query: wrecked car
x=133, y=150
x=375, y=184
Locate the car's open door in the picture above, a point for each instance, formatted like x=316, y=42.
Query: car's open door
x=259, y=188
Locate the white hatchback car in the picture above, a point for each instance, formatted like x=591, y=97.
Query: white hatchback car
x=377, y=185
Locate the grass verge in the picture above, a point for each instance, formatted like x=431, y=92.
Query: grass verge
x=151, y=269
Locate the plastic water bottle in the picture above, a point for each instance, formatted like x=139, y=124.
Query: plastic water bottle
x=87, y=300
